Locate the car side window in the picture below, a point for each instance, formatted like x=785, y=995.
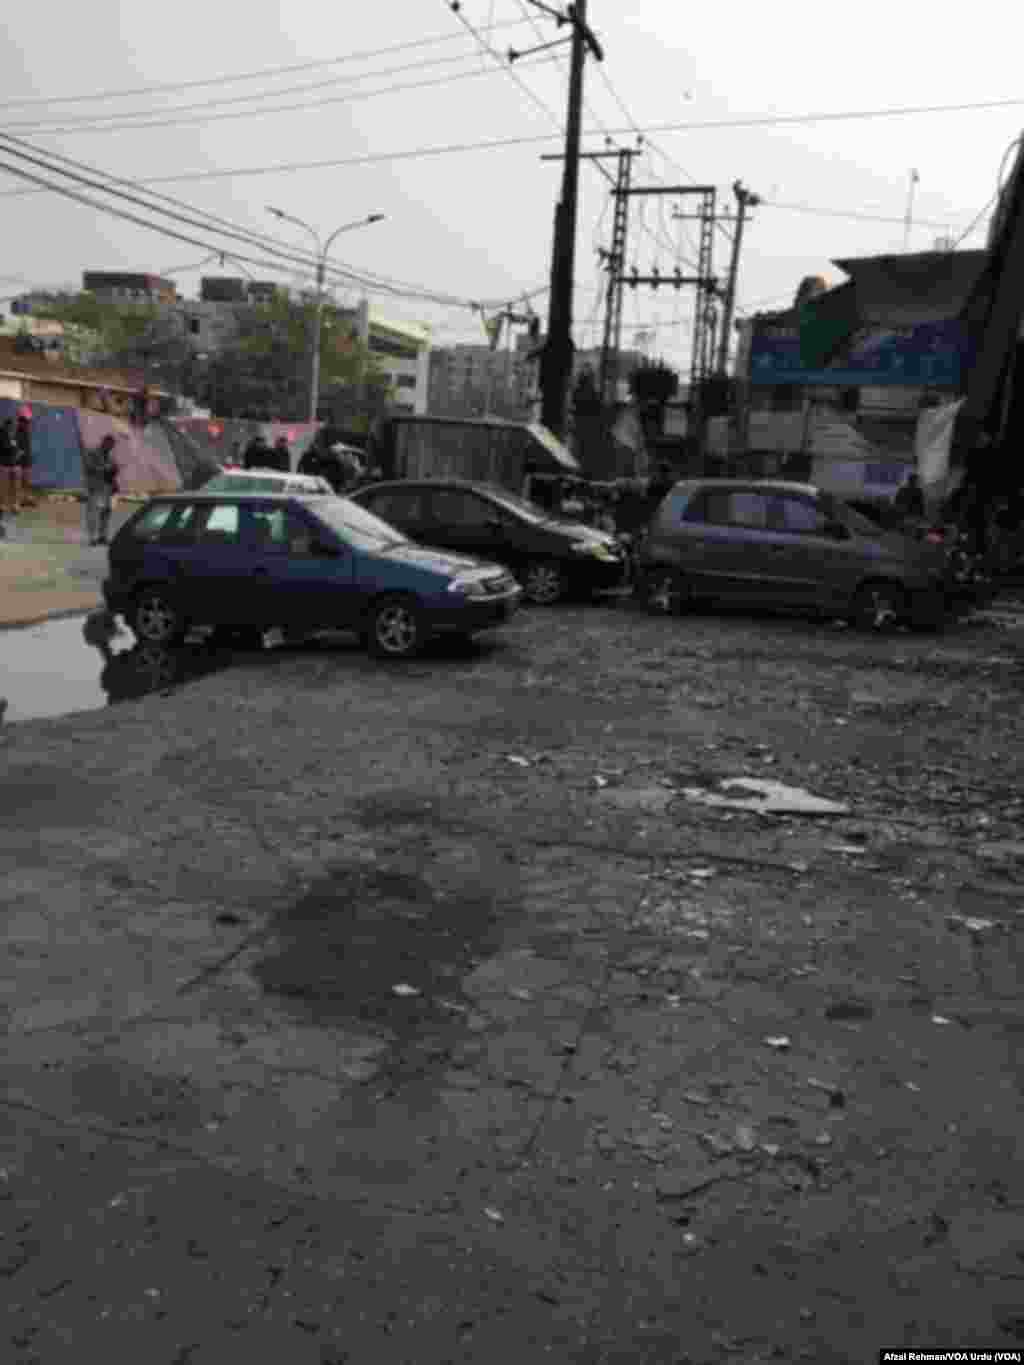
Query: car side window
x=400, y=507
x=180, y=526
x=696, y=509
x=749, y=510
x=220, y=526
x=453, y=507
x=152, y=521
x=799, y=515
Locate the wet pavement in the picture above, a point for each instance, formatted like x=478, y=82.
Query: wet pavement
x=419, y=1015
x=51, y=670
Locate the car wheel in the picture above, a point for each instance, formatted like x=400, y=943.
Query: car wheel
x=156, y=620
x=878, y=606
x=544, y=582
x=661, y=591
x=396, y=628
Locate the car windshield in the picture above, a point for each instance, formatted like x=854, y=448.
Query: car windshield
x=355, y=525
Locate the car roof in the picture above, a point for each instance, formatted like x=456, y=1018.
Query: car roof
x=314, y=499
x=768, y=485
x=476, y=485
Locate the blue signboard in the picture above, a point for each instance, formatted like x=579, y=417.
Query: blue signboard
x=929, y=354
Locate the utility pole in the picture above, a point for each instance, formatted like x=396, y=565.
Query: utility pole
x=614, y=259
x=556, y=359
x=908, y=221
x=744, y=200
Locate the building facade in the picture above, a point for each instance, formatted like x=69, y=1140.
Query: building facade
x=129, y=288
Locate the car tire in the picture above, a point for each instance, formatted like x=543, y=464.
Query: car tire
x=878, y=606
x=544, y=582
x=661, y=591
x=155, y=619
x=395, y=628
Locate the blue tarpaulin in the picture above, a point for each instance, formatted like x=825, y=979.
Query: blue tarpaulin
x=56, y=446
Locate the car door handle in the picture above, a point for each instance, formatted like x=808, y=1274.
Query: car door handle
x=261, y=573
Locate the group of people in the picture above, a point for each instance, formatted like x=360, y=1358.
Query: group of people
x=260, y=454
x=621, y=507
x=16, y=463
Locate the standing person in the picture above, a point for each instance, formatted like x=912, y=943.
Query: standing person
x=282, y=455
x=8, y=468
x=257, y=454
x=100, y=473
x=909, y=500
x=23, y=461
x=311, y=461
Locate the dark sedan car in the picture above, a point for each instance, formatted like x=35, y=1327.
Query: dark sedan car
x=299, y=563
x=551, y=556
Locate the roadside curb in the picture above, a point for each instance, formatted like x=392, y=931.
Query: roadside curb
x=60, y=614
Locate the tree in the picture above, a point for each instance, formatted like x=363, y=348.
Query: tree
x=265, y=373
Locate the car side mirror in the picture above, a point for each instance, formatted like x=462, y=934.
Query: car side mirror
x=837, y=530
x=495, y=524
x=324, y=550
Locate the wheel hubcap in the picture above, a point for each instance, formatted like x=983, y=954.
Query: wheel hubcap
x=396, y=630
x=543, y=583
x=154, y=619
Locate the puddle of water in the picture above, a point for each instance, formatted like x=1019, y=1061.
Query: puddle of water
x=49, y=670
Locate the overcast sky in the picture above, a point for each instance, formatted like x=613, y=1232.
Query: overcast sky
x=476, y=224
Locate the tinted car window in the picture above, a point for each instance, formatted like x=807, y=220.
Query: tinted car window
x=729, y=507
x=152, y=521
x=180, y=527
x=801, y=515
x=403, y=506
x=281, y=531
x=453, y=507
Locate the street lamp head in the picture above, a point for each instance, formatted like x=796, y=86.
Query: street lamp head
x=376, y=218
x=278, y=213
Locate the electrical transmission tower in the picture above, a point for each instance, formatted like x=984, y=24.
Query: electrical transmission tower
x=705, y=282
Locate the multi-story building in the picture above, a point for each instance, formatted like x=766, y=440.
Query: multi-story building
x=129, y=288
x=402, y=350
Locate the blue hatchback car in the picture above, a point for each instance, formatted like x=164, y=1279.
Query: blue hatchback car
x=300, y=564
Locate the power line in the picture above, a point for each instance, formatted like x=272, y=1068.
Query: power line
x=303, y=105
x=100, y=121
x=255, y=241
x=854, y=214
x=261, y=74
x=533, y=139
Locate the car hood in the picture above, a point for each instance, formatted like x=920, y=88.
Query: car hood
x=434, y=561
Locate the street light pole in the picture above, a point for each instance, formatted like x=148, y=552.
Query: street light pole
x=322, y=251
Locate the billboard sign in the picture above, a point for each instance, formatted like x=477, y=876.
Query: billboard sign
x=930, y=354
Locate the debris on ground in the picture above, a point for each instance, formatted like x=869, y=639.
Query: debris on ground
x=768, y=798
x=778, y=1042
x=404, y=989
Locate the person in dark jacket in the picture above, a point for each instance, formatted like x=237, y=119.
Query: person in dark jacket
x=282, y=455
x=8, y=468
x=909, y=500
x=258, y=454
x=23, y=463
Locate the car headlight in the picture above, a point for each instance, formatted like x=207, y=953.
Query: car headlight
x=595, y=550
x=468, y=587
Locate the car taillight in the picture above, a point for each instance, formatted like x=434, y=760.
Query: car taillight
x=935, y=538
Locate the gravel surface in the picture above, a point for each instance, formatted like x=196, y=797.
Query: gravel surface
x=428, y=1013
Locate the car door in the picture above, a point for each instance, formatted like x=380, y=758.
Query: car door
x=825, y=559
x=300, y=574
x=460, y=520
x=219, y=569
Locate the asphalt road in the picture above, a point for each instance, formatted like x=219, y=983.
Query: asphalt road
x=430, y=1013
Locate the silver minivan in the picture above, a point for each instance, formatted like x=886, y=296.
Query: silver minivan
x=767, y=543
